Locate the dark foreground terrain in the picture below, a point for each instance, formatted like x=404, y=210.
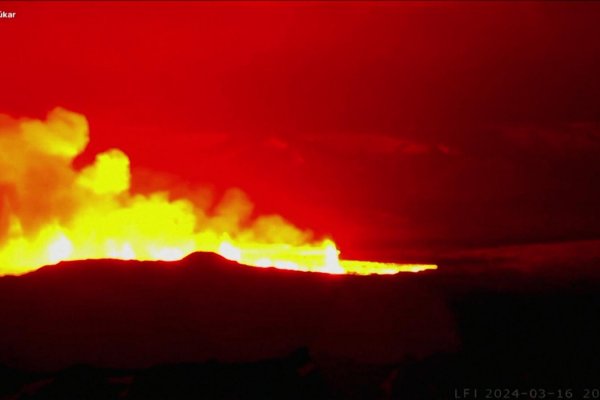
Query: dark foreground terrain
x=204, y=328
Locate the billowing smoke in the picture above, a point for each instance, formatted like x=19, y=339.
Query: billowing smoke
x=50, y=211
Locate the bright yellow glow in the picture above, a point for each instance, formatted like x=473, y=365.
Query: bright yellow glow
x=232, y=253
x=59, y=249
x=380, y=268
x=109, y=174
x=50, y=212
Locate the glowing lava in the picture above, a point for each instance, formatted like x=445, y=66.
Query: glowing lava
x=52, y=212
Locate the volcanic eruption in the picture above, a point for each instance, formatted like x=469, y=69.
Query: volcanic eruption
x=52, y=212
x=178, y=227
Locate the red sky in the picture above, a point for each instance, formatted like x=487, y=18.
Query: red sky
x=394, y=127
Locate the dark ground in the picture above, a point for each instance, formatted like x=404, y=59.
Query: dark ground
x=204, y=328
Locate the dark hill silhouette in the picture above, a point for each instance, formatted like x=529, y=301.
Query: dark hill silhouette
x=136, y=314
x=206, y=327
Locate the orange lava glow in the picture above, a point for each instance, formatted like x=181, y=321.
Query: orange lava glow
x=51, y=212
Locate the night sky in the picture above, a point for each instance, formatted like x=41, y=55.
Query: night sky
x=402, y=130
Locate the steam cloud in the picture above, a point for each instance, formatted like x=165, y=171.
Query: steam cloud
x=50, y=211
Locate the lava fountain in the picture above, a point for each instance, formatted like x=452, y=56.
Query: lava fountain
x=51, y=212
